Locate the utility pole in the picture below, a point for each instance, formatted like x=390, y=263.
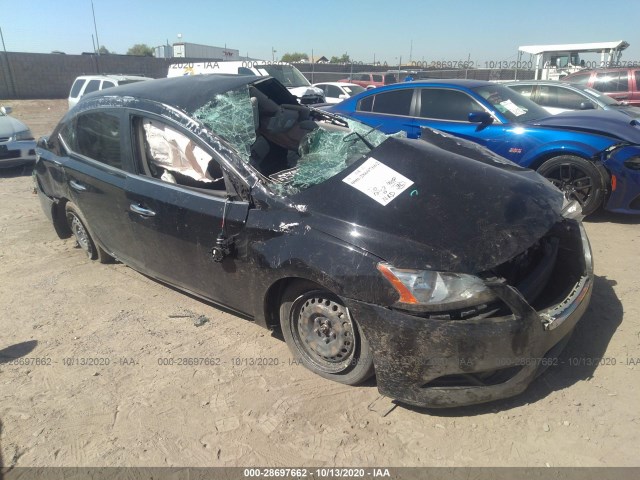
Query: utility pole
x=95, y=27
x=10, y=80
x=4, y=47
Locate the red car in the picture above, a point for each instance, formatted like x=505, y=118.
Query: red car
x=622, y=84
x=370, y=80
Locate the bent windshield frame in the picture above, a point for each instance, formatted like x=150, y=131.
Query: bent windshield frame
x=288, y=75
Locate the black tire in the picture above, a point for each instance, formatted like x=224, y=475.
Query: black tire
x=323, y=336
x=78, y=226
x=578, y=178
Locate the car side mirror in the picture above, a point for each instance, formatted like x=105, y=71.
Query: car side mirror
x=586, y=106
x=344, y=96
x=483, y=118
x=6, y=110
x=43, y=142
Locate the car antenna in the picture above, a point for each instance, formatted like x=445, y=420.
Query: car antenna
x=223, y=245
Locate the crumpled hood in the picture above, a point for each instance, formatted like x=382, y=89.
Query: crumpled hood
x=459, y=214
x=607, y=122
x=302, y=91
x=9, y=126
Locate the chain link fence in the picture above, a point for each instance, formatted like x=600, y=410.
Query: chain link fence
x=333, y=73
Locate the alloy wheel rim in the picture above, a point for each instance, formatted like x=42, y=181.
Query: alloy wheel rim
x=574, y=182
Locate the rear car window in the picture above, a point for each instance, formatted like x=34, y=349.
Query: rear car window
x=524, y=90
x=580, y=78
x=92, y=86
x=333, y=91
x=395, y=103
x=612, y=82
x=95, y=135
x=77, y=86
x=550, y=96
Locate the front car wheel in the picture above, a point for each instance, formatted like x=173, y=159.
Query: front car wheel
x=579, y=179
x=323, y=336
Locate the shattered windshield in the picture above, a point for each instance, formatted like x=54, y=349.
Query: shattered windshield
x=291, y=147
x=287, y=75
x=326, y=153
x=511, y=104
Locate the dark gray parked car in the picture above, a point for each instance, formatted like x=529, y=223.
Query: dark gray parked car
x=558, y=97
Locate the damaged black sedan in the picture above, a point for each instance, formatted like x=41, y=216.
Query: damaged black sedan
x=444, y=269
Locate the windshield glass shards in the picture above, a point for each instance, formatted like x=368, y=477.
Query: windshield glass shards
x=512, y=105
x=325, y=153
x=230, y=115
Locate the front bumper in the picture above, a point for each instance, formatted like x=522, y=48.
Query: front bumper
x=625, y=188
x=15, y=153
x=445, y=363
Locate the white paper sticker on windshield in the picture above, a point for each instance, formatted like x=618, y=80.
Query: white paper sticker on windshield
x=378, y=181
x=513, y=108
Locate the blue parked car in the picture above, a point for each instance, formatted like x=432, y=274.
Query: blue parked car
x=592, y=156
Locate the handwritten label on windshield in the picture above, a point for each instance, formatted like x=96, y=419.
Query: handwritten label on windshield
x=378, y=181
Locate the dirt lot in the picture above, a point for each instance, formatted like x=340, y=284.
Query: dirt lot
x=57, y=305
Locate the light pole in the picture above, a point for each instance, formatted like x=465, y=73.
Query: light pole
x=273, y=54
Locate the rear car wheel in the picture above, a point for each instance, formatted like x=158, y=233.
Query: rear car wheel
x=323, y=336
x=578, y=178
x=78, y=226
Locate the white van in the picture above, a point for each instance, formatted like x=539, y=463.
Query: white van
x=92, y=83
x=284, y=72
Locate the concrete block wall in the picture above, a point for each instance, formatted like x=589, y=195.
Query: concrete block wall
x=43, y=75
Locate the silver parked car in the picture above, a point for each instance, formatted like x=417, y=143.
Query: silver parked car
x=17, y=145
x=558, y=97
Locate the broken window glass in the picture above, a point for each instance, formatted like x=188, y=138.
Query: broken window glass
x=230, y=116
x=326, y=152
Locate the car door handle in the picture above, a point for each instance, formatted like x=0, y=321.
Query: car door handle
x=140, y=210
x=77, y=186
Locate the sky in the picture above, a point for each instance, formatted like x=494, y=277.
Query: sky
x=423, y=30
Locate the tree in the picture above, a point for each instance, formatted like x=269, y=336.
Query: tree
x=294, y=57
x=103, y=50
x=141, y=49
x=343, y=59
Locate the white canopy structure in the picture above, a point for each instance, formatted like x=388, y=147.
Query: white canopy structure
x=555, y=61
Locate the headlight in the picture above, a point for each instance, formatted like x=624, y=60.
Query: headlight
x=24, y=135
x=436, y=291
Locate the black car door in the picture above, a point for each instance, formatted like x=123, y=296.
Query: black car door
x=94, y=168
x=177, y=225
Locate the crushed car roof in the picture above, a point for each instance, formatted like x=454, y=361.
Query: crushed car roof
x=184, y=93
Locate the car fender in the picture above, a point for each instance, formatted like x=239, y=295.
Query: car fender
x=344, y=269
x=537, y=156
